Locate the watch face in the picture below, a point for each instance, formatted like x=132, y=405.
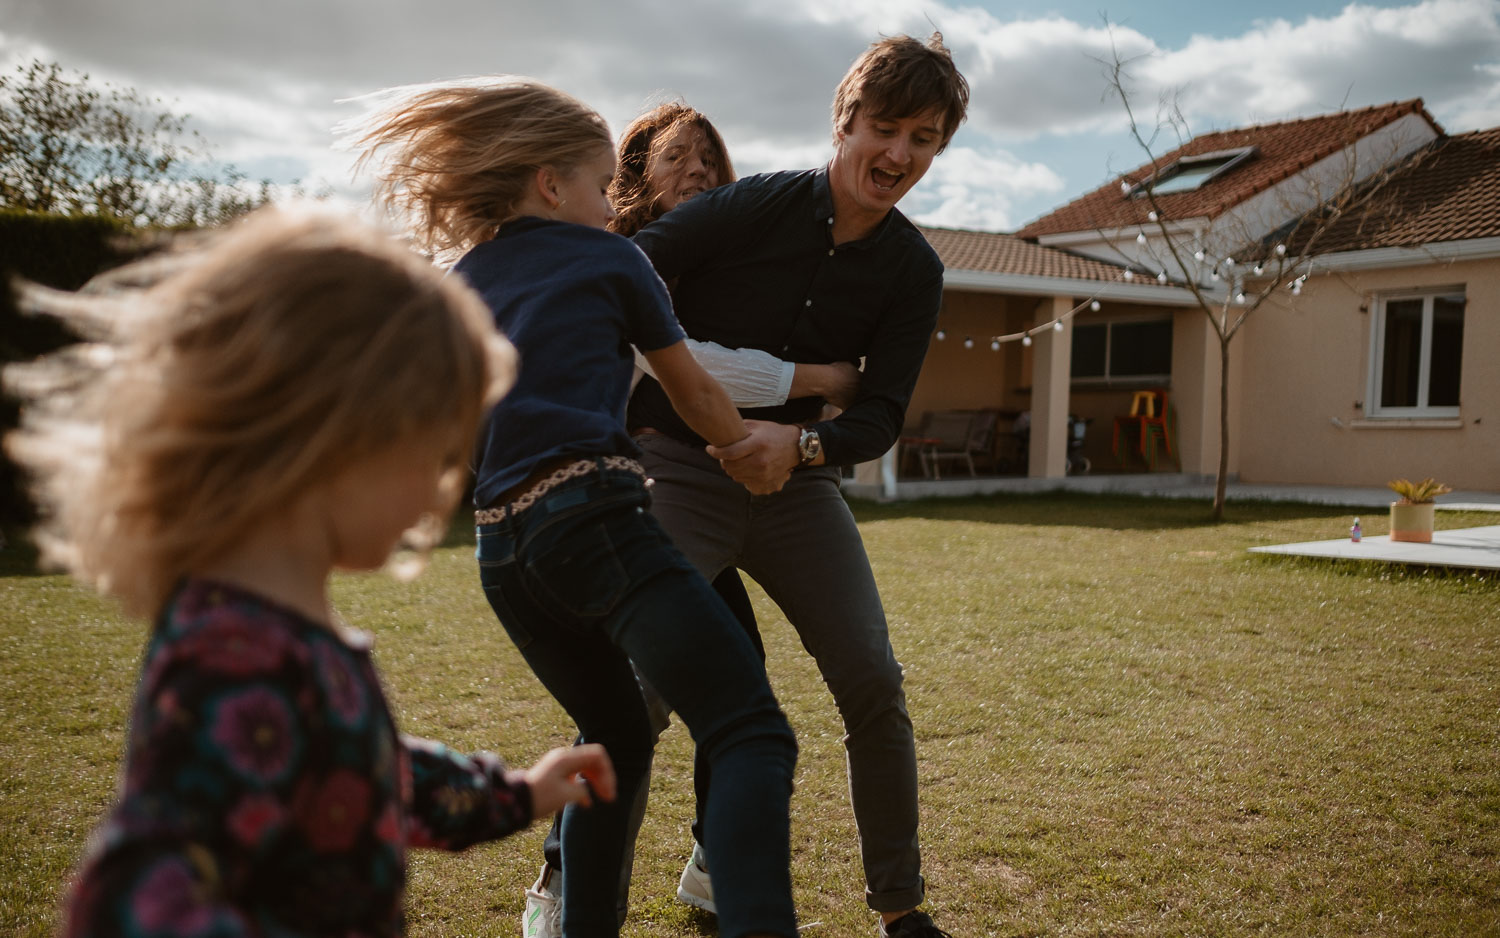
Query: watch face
x=809, y=444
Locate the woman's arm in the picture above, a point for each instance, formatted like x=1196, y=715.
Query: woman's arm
x=835, y=383
x=750, y=377
x=753, y=378
x=695, y=395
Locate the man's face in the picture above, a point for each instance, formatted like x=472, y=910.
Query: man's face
x=878, y=159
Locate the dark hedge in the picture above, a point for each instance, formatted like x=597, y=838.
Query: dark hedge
x=57, y=251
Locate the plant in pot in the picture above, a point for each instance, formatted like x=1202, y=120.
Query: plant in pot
x=1412, y=516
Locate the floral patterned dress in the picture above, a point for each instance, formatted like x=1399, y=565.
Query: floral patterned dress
x=265, y=789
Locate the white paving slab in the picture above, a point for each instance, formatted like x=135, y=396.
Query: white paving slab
x=1478, y=548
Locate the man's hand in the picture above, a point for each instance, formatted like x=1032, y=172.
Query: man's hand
x=764, y=460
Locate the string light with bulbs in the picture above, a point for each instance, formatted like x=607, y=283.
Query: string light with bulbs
x=1025, y=337
x=1221, y=267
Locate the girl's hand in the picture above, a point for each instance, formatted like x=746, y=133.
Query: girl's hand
x=568, y=776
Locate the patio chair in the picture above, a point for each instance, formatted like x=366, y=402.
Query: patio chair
x=956, y=436
x=1154, y=423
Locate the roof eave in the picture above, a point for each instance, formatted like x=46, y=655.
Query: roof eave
x=1036, y=285
x=1175, y=226
x=1471, y=249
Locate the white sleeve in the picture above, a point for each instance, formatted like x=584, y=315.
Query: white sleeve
x=753, y=378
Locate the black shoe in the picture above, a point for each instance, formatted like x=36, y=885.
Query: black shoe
x=916, y=924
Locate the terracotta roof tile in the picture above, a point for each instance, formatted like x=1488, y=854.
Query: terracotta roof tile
x=987, y=252
x=1447, y=192
x=1283, y=150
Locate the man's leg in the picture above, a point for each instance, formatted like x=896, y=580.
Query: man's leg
x=803, y=547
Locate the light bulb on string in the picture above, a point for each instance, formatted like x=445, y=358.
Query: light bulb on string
x=1124, y=187
x=1128, y=275
x=941, y=335
x=1140, y=238
x=1151, y=216
x=1057, y=325
x=1280, y=250
x=1026, y=339
x=994, y=345
x=1239, y=298
x=968, y=341
x=1094, y=306
x=1198, y=255
x=1257, y=270
x=1161, y=277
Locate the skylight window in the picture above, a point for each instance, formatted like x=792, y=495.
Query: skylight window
x=1190, y=172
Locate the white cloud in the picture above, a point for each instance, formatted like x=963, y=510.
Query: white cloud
x=262, y=79
x=1481, y=108
x=967, y=188
x=1364, y=55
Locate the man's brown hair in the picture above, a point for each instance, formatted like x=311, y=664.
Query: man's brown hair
x=902, y=77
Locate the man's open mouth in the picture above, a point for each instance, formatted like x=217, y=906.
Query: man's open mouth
x=885, y=181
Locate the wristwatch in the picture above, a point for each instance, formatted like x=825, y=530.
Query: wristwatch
x=809, y=445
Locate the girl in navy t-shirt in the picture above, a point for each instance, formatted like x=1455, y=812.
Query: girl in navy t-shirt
x=512, y=176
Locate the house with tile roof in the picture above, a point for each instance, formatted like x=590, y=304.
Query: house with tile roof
x=1377, y=367
x=1384, y=365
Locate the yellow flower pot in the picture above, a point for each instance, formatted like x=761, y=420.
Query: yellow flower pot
x=1412, y=523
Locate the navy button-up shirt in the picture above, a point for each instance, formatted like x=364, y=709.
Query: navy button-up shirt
x=756, y=267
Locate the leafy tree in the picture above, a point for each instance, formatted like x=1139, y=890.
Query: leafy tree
x=72, y=146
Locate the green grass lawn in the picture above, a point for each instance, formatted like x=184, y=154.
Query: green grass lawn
x=1126, y=725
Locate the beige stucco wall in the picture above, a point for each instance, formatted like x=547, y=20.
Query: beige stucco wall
x=956, y=378
x=1307, y=365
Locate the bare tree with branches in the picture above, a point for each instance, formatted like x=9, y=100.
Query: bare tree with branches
x=1244, y=259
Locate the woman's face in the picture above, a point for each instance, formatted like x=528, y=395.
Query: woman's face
x=683, y=164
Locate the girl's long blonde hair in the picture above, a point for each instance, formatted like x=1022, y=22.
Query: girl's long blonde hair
x=228, y=377
x=453, y=159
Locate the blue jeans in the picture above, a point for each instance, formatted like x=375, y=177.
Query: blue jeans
x=585, y=581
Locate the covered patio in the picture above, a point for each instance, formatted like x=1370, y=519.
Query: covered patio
x=1037, y=359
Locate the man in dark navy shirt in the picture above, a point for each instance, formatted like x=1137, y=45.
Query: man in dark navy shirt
x=817, y=266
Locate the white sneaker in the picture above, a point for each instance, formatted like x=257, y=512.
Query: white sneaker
x=543, y=915
x=695, y=888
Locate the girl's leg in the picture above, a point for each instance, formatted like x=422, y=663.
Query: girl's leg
x=590, y=556
x=686, y=644
x=594, y=682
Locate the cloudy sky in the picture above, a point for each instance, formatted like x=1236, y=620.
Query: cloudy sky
x=262, y=81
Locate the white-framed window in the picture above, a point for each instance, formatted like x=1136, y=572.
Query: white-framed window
x=1123, y=351
x=1417, y=353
